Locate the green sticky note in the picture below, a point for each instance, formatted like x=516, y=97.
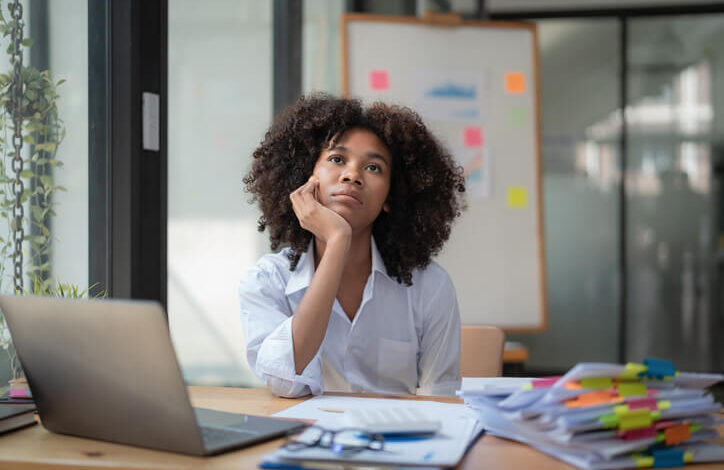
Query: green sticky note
x=517, y=116
x=598, y=383
x=608, y=421
x=517, y=197
x=631, y=389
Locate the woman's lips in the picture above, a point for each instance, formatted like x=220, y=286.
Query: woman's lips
x=346, y=198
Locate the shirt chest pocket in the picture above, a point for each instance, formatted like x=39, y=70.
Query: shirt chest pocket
x=397, y=366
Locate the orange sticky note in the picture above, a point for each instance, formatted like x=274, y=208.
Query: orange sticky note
x=590, y=399
x=514, y=82
x=473, y=137
x=379, y=80
x=677, y=434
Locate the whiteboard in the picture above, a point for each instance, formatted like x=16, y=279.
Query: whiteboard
x=475, y=84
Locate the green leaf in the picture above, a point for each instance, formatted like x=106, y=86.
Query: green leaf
x=46, y=180
x=60, y=82
x=27, y=174
x=27, y=42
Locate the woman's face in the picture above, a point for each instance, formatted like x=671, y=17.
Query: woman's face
x=354, y=177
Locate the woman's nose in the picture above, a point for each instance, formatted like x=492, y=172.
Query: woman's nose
x=350, y=175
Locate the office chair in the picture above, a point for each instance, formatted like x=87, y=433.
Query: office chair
x=481, y=351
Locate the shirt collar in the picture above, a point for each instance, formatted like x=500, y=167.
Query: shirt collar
x=302, y=276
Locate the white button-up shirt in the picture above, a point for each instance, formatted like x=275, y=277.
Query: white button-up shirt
x=403, y=340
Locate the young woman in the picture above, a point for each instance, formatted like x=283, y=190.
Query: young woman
x=363, y=198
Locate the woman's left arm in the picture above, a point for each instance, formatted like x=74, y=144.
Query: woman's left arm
x=439, y=361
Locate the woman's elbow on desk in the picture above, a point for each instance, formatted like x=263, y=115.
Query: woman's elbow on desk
x=285, y=388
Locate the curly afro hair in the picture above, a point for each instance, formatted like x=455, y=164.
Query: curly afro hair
x=426, y=188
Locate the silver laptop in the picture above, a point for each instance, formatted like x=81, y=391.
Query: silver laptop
x=106, y=369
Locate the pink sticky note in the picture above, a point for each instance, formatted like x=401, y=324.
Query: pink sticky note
x=545, y=382
x=635, y=434
x=639, y=403
x=379, y=80
x=473, y=137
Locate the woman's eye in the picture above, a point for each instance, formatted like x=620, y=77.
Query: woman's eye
x=335, y=159
x=374, y=168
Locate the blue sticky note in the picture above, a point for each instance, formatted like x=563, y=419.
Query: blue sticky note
x=658, y=368
x=668, y=458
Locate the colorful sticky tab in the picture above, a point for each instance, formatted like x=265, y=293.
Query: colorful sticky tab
x=658, y=368
x=635, y=419
x=638, y=403
x=636, y=434
x=379, y=80
x=517, y=197
x=473, y=137
x=643, y=461
x=677, y=434
x=545, y=382
x=632, y=372
x=592, y=398
x=597, y=383
x=608, y=421
x=514, y=82
x=668, y=458
x=631, y=389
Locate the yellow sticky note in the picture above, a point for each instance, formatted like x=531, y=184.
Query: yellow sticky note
x=635, y=420
x=632, y=371
x=631, y=389
x=517, y=196
x=598, y=383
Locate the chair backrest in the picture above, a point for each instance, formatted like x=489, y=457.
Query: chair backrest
x=481, y=351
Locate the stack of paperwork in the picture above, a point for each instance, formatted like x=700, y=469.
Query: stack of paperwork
x=606, y=416
x=441, y=450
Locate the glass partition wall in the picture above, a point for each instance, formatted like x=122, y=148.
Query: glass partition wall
x=675, y=125
x=669, y=224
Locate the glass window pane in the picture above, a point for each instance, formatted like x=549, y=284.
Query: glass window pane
x=54, y=151
x=321, y=46
x=674, y=123
x=220, y=101
x=68, y=60
x=580, y=92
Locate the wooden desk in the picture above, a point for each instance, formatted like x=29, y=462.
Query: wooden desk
x=35, y=448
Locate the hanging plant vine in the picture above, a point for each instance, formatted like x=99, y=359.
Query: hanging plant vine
x=28, y=118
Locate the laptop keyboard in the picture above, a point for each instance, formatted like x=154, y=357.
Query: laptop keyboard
x=215, y=437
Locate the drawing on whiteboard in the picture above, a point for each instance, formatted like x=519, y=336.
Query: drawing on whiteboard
x=476, y=168
x=449, y=94
x=453, y=91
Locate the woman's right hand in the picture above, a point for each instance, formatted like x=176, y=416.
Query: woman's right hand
x=323, y=222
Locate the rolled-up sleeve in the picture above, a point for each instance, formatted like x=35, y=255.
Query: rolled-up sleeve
x=439, y=362
x=267, y=320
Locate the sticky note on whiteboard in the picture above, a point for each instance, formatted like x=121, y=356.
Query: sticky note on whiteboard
x=473, y=137
x=517, y=197
x=379, y=80
x=514, y=82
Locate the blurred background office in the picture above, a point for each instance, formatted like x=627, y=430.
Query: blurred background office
x=632, y=108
